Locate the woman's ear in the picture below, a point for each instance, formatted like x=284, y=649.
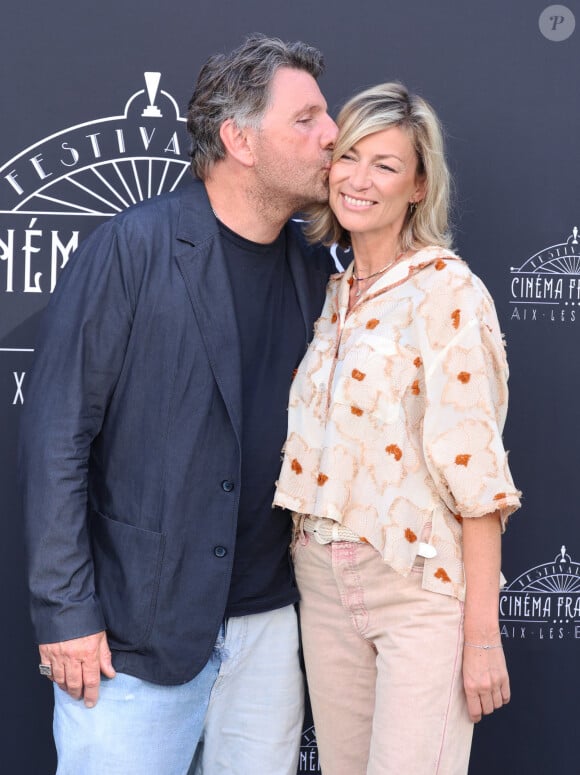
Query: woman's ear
x=235, y=141
x=420, y=191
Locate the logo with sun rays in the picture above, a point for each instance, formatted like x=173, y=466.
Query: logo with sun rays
x=308, y=761
x=102, y=166
x=547, y=285
x=53, y=193
x=543, y=602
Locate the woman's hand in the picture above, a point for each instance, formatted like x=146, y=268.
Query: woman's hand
x=485, y=679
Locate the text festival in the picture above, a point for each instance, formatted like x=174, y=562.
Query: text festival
x=89, y=149
x=55, y=159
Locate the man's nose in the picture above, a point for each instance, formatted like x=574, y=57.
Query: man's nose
x=329, y=134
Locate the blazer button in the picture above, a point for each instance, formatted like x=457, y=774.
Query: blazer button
x=220, y=551
x=227, y=486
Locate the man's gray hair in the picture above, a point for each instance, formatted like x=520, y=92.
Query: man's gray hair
x=237, y=86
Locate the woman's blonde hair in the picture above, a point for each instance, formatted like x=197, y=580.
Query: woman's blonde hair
x=373, y=110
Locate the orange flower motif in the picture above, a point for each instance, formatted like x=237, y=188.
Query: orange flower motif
x=373, y=323
x=356, y=374
x=441, y=574
x=322, y=479
x=499, y=497
x=456, y=317
x=458, y=518
x=410, y=536
x=334, y=318
x=351, y=281
x=294, y=373
x=415, y=390
x=364, y=540
x=464, y=377
x=440, y=264
x=465, y=455
x=296, y=467
x=418, y=362
x=395, y=451
x=356, y=411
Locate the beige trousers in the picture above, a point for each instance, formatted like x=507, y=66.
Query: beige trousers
x=383, y=663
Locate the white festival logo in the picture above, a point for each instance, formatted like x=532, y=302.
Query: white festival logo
x=100, y=167
x=53, y=193
x=543, y=602
x=308, y=761
x=547, y=285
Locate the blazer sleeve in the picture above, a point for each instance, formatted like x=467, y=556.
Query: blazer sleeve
x=79, y=355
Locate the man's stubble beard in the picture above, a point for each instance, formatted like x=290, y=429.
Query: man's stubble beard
x=270, y=197
x=279, y=190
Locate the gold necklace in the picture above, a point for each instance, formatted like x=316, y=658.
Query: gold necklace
x=374, y=274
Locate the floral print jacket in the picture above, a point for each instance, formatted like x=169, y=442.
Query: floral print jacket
x=396, y=415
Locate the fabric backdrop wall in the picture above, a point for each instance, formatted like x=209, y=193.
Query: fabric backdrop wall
x=92, y=98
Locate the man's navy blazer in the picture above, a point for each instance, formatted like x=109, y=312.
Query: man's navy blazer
x=130, y=452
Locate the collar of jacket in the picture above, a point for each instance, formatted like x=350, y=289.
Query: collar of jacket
x=202, y=263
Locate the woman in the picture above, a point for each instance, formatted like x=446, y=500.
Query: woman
x=394, y=463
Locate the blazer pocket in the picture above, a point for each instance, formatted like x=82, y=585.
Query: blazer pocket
x=127, y=562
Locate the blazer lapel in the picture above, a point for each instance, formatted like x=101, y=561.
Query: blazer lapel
x=202, y=263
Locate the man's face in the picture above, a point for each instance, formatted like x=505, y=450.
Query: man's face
x=293, y=146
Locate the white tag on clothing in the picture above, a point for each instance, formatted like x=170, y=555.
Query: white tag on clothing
x=426, y=550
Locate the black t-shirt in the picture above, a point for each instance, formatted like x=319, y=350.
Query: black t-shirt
x=271, y=331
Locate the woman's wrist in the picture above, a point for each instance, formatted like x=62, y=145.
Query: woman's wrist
x=483, y=646
x=481, y=632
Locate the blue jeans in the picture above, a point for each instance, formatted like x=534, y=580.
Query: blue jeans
x=243, y=713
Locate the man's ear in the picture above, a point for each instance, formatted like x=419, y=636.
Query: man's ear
x=235, y=141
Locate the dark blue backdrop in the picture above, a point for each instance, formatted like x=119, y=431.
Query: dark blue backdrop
x=508, y=96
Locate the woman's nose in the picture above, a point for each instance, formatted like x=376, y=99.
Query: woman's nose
x=359, y=177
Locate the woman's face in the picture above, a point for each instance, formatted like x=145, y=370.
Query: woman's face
x=373, y=183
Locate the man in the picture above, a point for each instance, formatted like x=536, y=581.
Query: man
x=162, y=595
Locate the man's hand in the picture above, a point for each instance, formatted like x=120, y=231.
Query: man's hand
x=77, y=665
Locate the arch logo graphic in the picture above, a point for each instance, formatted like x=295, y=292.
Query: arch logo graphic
x=543, y=603
x=308, y=760
x=100, y=167
x=546, y=287
x=53, y=193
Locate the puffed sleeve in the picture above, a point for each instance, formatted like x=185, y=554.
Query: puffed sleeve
x=466, y=376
